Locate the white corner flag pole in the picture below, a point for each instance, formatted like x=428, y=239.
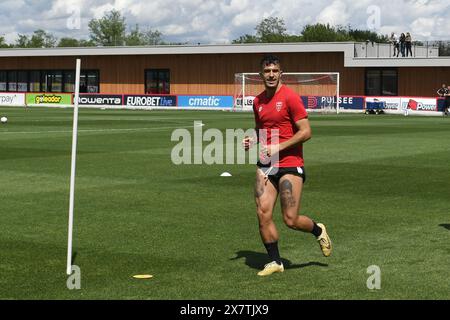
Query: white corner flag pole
x=73, y=166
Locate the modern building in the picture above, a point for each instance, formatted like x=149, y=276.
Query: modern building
x=366, y=69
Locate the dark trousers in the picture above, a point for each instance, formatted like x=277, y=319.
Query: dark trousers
x=396, y=49
x=408, y=49
x=402, y=48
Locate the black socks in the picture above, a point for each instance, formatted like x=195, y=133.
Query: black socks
x=316, y=231
x=272, y=250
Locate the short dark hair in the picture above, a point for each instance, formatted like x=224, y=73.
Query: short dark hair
x=269, y=59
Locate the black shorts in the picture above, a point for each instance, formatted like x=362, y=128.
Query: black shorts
x=274, y=174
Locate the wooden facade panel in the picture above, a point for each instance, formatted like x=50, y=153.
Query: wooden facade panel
x=422, y=81
x=214, y=73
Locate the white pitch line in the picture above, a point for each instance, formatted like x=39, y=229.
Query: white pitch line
x=103, y=119
x=94, y=130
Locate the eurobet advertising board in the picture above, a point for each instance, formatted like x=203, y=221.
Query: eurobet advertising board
x=205, y=101
x=49, y=98
x=12, y=99
x=143, y=101
x=345, y=102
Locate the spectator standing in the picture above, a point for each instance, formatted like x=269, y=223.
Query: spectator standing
x=447, y=101
x=394, y=41
x=408, y=44
x=402, y=44
x=444, y=92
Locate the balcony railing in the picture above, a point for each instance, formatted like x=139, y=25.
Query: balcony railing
x=433, y=49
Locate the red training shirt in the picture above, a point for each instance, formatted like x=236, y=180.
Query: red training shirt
x=281, y=112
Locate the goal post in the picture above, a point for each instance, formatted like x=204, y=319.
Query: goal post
x=318, y=90
x=73, y=167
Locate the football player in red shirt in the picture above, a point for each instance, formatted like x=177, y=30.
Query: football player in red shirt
x=282, y=127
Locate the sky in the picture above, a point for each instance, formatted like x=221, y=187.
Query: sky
x=221, y=21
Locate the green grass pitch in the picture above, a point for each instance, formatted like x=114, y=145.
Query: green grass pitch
x=381, y=184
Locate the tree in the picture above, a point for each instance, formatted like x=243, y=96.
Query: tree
x=71, y=42
x=134, y=38
x=109, y=30
x=39, y=39
x=68, y=42
x=22, y=41
x=323, y=33
x=364, y=35
x=138, y=38
x=86, y=43
x=42, y=39
x=106, y=31
x=3, y=44
x=247, y=38
x=267, y=31
x=271, y=30
x=274, y=30
x=152, y=37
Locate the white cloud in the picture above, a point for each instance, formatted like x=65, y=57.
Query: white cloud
x=98, y=12
x=423, y=26
x=211, y=21
x=335, y=14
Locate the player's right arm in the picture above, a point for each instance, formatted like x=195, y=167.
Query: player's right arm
x=248, y=141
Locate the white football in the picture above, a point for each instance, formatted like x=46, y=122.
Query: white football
x=4, y=119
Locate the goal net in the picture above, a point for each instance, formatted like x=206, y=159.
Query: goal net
x=318, y=91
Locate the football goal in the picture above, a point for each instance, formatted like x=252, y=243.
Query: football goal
x=318, y=91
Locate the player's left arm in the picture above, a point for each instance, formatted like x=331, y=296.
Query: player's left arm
x=302, y=135
x=299, y=116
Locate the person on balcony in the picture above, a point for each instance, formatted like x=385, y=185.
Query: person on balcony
x=394, y=41
x=402, y=44
x=408, y=44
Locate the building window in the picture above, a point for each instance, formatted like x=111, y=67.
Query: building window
x=157, y=81
x=44, y=87
x=381, y=82
x=12, y=80
x=53, y=80
x=48, y=81
x=69, y=81
x=34, y=84
x=22, y=81
x=89, y=81
x=3, y=80
x=92, y=81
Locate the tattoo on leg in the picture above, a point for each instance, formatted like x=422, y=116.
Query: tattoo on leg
x=286, y=197
x=259, y=188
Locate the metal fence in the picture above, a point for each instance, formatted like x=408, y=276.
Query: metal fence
x=429, y=49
